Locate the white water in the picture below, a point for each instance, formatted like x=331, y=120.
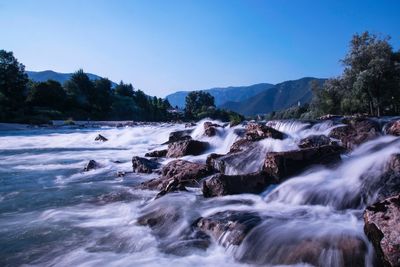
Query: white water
x=53, y=214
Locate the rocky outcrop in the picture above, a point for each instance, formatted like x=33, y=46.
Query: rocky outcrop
x=255, y=132
x=315, y=141
x=288, y=163
x=229, y=227
x=100, y=138
x=91, y=165
x=382, y=227
x=210, y=128
x=221, y=184
x=240, y=145
x=186, y=147
x=179, y=136
x=176, y=175
x=143, y=165
x=393, y=128
x=156, y=153
x=356, y=132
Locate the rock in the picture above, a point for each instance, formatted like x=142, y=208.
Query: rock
x=176, y=175
x=143, y=165
x=92, y=164
x=240, y=145
x=186, y=147
x=100, y=138
x=229, y=227
x=316, y=141
x=356, y=132
x=255, y=132
x=210, y=128
x=179, y=136
x=289, y=163
x=221, y=184
x=190, y=124
x=393, y=128
x=382, y=227
x=156, y=153
x=329, y=117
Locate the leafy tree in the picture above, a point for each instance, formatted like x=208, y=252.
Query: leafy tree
x=48, y=94
x=124, y=89
x=102, y=100
x=13, y=81
x=197, y=102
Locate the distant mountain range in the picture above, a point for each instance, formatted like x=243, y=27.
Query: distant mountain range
x=42, y=76
x=278, y=97
x=222, y=94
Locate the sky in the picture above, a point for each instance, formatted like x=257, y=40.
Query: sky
x=162, y=46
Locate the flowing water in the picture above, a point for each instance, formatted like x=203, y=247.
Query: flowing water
x=54, y=214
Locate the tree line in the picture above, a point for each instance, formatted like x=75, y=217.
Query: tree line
x=80, y=98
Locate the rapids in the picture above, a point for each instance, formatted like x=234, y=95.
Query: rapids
x=54, y=214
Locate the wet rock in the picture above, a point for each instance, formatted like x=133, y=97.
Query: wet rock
x=100, y=138
x=143, y=165
x=255, y=132
x=92, y=164
x=393, y=128
x=210, y=128
x=329, y=117
x=382, y=227
x=157, y=153
x=190, y=124
x=221, y=184
x=356, y=132
x=240, y=145
x=176, y=175
x=229, y=227
x=179, y=136
x=288, y=163
x=316, y=141
x=186, y=147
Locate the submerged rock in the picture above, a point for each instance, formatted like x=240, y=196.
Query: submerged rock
x=316, y=141
x=255, y=132
x=186, y=147
x=221, y=184
x=143, y=165
x=229, y=227
x=176, y=175
x=382, y=227
x=356, y=132
x=100, y=138
x=288, y=163
x=92, y=164
x=157, y=153
x=210, y=128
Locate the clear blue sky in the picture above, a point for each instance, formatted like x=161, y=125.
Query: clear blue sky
x=167, y=45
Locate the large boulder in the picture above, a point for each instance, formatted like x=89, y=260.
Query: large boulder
x=289, y=163
x=382, y=227
x=315, y=141
x=176, y=175
x=393, y=128
x=240, y=145
x=179, y=136
x=186, y=147
x=356, y=132
x=156, y=153
x=255, y=132
x=210, y=128
x=143, y=165
x=221, y=184
x=229, y=227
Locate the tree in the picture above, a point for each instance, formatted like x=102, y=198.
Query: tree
x=13, y=81
x=124, y=89
x=48, y=94
x=102, y=99
x=197, y=102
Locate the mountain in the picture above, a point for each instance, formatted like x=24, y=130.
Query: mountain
x=42, y=76
x=222, y=94
x=280, y=96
